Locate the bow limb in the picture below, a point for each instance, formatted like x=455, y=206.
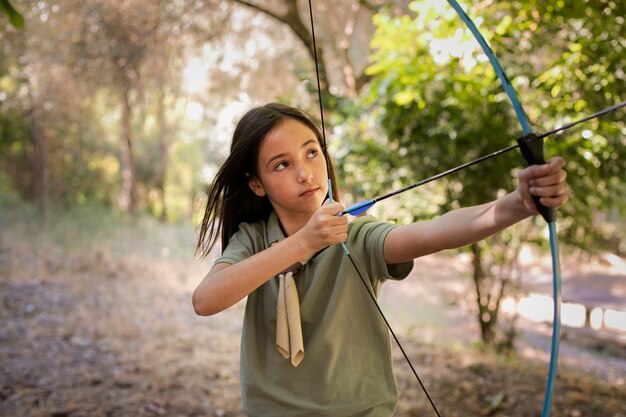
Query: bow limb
x=532, y=150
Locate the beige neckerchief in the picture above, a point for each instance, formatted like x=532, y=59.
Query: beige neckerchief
x=289, y=341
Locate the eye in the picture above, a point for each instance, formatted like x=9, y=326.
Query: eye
x=281, y=165
x=312, y=153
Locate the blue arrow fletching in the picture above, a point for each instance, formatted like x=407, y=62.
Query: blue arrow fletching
x=360, y=207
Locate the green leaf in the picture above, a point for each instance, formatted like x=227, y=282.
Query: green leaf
x=16, y=19
x=504, y=25
x=404, y=97
x=575, y=47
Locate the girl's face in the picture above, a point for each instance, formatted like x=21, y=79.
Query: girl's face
x=291, y=170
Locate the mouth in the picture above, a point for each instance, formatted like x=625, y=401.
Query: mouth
x=310, y=192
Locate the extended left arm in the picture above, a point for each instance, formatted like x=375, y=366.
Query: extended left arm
x=461, y=227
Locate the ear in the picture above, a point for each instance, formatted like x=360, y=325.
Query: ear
x=255, y=185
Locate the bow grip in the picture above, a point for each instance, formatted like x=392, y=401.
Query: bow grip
x=532, y=151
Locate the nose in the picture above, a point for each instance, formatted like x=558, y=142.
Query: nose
x=305, y=174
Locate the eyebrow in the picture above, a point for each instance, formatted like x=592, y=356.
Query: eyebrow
x=281, y=155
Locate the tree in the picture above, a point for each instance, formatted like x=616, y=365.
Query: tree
x=40, y=91
x=440, y=104
x=343, y=31
x=74, y=68
x=120, y=32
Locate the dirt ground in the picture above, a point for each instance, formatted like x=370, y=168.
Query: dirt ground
x=86, y=333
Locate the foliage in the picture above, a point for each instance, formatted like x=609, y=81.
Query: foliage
x=62, y=77
x=442, y=104
x=585, y=73
x=79, y=67
x=435, y=103
x=435, y=119
x=82, y=166
x=13, y=155
x=16, y=19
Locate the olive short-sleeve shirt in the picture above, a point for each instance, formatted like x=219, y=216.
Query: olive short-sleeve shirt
x=347, y=367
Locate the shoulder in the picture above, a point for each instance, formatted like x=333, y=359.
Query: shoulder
x=368, y=224
x=258, y=235
x=368, y=230
x=367, y=236
x=256, y=228
x=252, y=235
x=250, y=238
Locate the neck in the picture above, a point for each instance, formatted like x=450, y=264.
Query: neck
x=291, y=224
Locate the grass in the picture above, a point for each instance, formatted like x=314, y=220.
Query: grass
x=92, y=227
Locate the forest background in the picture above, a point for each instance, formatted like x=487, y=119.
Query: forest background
x=115, y=116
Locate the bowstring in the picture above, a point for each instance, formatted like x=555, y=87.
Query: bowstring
x=345, y=249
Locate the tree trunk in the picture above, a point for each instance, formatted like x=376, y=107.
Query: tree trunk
x=486, y=316
x=128, y=197
x=164, y=147
x=39, y=165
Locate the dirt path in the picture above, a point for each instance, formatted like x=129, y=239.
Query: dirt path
x=88, y=334
x=437, y=296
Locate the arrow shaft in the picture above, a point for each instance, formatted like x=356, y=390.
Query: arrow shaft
x=584, y=119
x=448, y=172
x=433, y=178
x=481, y=159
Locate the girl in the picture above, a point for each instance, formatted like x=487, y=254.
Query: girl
x=313, y=344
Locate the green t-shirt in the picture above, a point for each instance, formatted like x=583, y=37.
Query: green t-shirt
x=347, y=367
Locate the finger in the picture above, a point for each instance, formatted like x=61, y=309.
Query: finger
x=532, y=172
x=328, y=219
x=549, y=191
x=340, y=222
x=556, y=163
x=554, y=197
x=553, y=165
x=340, y=226
x=535, y=171
x=337, y=223
x=552, y=179
x=523, y=183
x=554, y=201
x=335, y=208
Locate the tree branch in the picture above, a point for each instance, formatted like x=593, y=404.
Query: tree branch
x=261, y=9
x=292, y=19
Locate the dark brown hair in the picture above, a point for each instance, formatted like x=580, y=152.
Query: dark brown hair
x=230, y=199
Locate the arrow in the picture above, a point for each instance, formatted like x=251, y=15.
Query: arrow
x=362, y=206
